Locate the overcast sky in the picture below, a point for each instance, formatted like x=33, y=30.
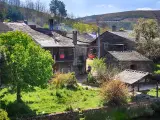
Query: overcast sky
x=91, y=7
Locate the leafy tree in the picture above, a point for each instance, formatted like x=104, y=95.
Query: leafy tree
x=84, y=28
x=146, y=31
x=62, y=10
x=27, y=64
x=58, y=8
x=3, y=115
x=157, y=69
x=3, y=10
x=14, y=14
x=99, y=67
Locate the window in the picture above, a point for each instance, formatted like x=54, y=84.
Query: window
x=93, y=51
x=70, y=51
x=133, y=67
x=106, y=46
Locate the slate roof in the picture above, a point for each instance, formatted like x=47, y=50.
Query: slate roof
x=56, y=40
x=109, y=35
x=131, y=76
x=128, y=56
x=43, y=39
x=85, y=37
x=4, y=28
x=128, y=34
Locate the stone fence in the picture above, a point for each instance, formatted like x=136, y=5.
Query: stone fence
x=76, y=114
x=59, y=116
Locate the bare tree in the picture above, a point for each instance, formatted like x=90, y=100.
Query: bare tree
x=14, y=2
x=39, y=6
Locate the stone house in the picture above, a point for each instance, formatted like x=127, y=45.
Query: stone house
x=67, y=51
x=113, y=41
x=129, y=60
x=118, y=47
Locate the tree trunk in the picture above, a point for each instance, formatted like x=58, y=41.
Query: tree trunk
x=18, y=93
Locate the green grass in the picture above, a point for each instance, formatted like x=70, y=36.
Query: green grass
x=52, y=101
x=157, y=69
x=153, y=92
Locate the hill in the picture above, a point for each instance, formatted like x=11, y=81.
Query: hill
x=121, y=19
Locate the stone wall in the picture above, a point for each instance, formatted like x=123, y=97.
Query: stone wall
x=145, y=66
x=77, y=115
x=59, y=116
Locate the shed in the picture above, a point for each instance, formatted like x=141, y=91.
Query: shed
x=132, y=78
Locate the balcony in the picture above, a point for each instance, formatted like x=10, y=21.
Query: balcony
x=63, y=58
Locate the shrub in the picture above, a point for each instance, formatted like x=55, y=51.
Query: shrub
x=114, y=92
x=91, y=79
x=102, y=72
x=3, y=115
x=64, y=80
x=110, y=73
x=98, y=68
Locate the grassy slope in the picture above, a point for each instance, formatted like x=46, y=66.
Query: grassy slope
x=46, y=100
x=121, y=16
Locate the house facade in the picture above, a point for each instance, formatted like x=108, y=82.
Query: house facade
x=118, y=47
x=129, y=60
x=113, y=41
x=69, y=53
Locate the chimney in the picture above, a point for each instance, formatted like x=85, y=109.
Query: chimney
x=75, y=37
x=114, y=28
x=51, y=24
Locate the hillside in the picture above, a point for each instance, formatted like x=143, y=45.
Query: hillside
x=121, y=19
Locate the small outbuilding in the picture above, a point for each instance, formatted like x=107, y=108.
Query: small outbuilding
x=129, y=60
x=133, y=78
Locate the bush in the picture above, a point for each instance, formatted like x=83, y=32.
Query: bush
x=64, y=80
x=101, y=71
x=110, y=73
x=98, y=68
x=91, y=79
x=114, y=92
x=3, y=115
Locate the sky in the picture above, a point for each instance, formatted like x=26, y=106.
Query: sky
x=81, y=8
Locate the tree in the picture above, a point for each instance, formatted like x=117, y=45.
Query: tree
x=3, y=115
x=14, y=2
x=3, y=10
x=39, y=6
x=146, y=32
x=99, y=68
x=148, y=29
x=62, y=10
x=14, y=14
x=58, y=8
x=27, y=64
